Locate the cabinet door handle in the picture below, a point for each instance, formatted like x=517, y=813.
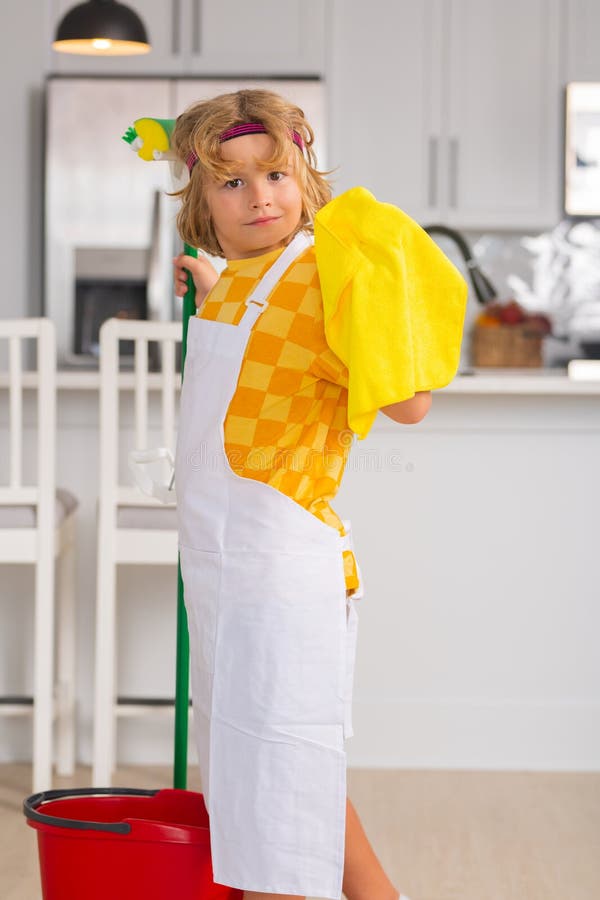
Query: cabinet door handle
x=175, y=26
x=453, y=166
x=197, y=26
x=433, y=167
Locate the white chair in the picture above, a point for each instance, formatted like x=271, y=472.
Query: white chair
x=37, y=527
x=133, y=529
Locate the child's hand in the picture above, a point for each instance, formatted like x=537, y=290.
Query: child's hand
x=203, y=273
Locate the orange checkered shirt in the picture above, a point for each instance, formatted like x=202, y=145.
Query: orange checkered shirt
x=287, y=421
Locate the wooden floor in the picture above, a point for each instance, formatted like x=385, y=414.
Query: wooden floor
x=440, y=835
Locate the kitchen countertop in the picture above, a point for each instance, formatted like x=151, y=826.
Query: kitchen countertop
x=519, y=381
x=468, y=381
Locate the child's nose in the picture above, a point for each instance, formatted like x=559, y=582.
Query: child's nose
x=260, y=195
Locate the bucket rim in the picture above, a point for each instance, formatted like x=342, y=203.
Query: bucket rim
x=31, y=804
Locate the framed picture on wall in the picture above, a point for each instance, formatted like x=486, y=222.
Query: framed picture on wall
x=582, y=149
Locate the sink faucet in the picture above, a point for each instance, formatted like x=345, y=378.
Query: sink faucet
x=484, y=290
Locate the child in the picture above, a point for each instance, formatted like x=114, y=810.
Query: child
x=294, y=349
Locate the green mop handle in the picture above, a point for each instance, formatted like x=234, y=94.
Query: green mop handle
x=182, y=673
x=150, y=138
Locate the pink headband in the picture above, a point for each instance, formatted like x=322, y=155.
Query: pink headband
x=236, y=131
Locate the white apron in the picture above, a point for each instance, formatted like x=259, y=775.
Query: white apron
x=272, y=640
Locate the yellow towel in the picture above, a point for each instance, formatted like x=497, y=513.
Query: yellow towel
x=394, y=304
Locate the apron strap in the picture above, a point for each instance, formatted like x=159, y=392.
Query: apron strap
x=257, y=301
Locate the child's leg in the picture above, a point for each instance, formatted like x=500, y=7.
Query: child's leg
x=254, y=895
x=364, y=878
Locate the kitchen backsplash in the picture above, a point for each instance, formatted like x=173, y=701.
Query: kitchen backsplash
x=507, y=262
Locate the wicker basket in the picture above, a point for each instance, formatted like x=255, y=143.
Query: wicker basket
x=516, y=346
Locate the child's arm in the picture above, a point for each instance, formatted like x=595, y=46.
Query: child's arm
x=410, y=411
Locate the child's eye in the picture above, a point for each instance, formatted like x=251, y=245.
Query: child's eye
x=276, y=176
x=233, y=182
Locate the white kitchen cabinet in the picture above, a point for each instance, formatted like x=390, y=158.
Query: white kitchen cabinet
x=213, y=37
x=582, y=40
x=384, y=100
x=450, y=108
x=500, y=164
x=264, y=37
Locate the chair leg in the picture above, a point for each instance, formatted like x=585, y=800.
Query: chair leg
x=113, y=743
x=43, y=668
x=104, y=688
x=66, y=656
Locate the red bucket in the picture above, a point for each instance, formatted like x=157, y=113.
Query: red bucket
x=124, y=844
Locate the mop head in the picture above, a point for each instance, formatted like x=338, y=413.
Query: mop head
x=151, y=140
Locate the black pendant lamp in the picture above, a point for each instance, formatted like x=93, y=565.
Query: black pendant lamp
x=101, y=28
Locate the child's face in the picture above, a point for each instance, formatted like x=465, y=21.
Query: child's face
x=255, y=211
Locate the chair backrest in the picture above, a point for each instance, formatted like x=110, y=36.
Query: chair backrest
x=166, y=335
x=13, y=489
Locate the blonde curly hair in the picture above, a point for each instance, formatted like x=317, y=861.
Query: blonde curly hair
x=198, y=129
